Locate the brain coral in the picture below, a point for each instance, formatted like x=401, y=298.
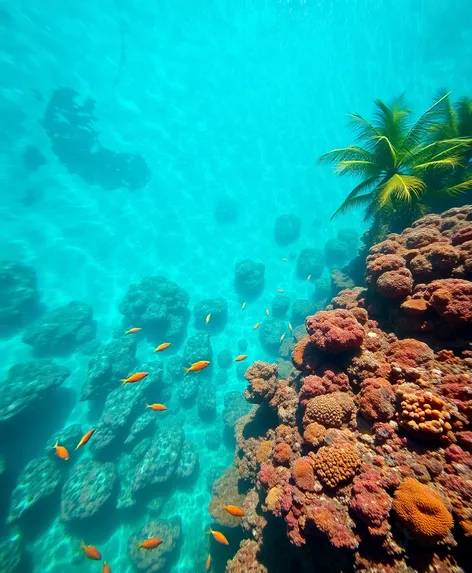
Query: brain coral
x=330, y=410
x=422, y=510
x=423, y=413
x=336, y=464
x=335, y=330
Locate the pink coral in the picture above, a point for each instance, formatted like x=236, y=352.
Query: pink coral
x=331, y=381
x=335, y=330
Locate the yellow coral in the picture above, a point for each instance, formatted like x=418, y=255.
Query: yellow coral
x=423, y=412
x=336, y=464
x=273, y=498
x=422, y=510
x=263, y=451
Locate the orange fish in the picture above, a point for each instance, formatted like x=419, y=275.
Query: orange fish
x=256, y=326
x=85, y=438
x=218, y=536
x=280, y=290
x=163, y=346
x=290, y=327
x=197, y=366
x=282, y=337
x=207, y=319
x=156, y=407
x=133, y=330
x=61, y=451
x=136, y=377
x=106, y=568
x=308, y=277
x=150, y=543
x=267, y=311
x=91, y=552
x=284, y=260
x=243, y=306
x=240, y=357
x=208, y=563
x=235, y=511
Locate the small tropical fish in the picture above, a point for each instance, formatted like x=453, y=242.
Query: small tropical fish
x=207, y=319
x=256, y=326
x=61, y=451
x=280, y=290
x=235, y=511
x=156, y=407
x=284, y=260
x=240, y=357
x=150, y=543
x=163, y=346
x=133, y=330
x=243, y=306
x=106, y=568
x=282, y=337
x=85, y=438
x=136, y=377
x=267, y=311
x=91, y=552
x=290, y=327
x=218, y=536
x=308, y=277
x=208, y=563
x=197, y=366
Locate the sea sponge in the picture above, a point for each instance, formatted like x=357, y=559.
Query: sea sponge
x=302, y=473
x=335, y=330
x=336, y=464
x=262, y=378
x=282, y=454
x=331, y=410
x=314, y=434
x=422, y=510
x=304, y=355
x=423, y=413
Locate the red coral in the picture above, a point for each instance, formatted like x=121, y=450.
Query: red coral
x=331, y=520
x=410, y=353
x=395, y=284
x=335, y=330
x=331, y=381
x=451, y=299
x=376, y=400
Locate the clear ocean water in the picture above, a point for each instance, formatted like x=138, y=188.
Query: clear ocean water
x=222, y=99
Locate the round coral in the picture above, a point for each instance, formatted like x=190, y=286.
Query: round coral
x=282, y=454
x=304, y=355
x=335, y=330
x=422, y=510
x=314, y=434
x=330, y=410
x=395, y=284
x=423, y=413
x=336, y=464
x=376, y=400
x=302, y=474
x=410, y=353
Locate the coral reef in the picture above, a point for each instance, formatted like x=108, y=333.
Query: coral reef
x=161, y=557
x=280, y=305
x=187, y=465
x=335, y=330
x=249, y=278
x=301, y=308
x=19, y=299
x=287, y=229
x=270, y=333
x=62, y=330
x=206, y=401
x=198, y=347
x=217, y=308
x=310, y=263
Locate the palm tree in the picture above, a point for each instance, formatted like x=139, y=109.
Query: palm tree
x=395, y=158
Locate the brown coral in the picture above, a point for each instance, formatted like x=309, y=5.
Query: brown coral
x=282, y=454
x=314, y=434
x=330, y=410
x=395, y=284
x=304, y=355
x=262, y=378
x=423, y=413
x=336, y=464
x=376, y=400
x=302, y=474
x=335, y=330
x=422, y=510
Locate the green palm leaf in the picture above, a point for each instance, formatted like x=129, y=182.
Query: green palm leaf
x=392, y=122
x=359, y=201
x=363, y=130
x=423, y=123
x=458, y=189
x=363, y=186
x=352, y=152
x=401, y=187
x=361, y=168
x=449, y=162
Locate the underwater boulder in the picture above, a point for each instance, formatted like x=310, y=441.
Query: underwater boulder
x=225, y=358
x=61, y=331
x=280, y=305
x=270, y=332
x=216, y=308
x=226, y=209
x=206, y=402
x=322, y=289
x=36, y=483
x=142, y=427
x=127, y=464
x=19, y=299
x=310, y=263
x=160, y=558
x=108, y=366
x=213, y=439
x=187, y=390
x=336, y=252
x=158, y=306
x=226, y=491
x=28, y=385
x=188, y=462
x=214, y=474
x=175, y=368
x=287, y=229
x=88, y=490
x=302, y=308
x=249, y=278
x=68, y=437
x=235, y=407
x=198, y=347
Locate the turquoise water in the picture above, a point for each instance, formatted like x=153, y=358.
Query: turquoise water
x=221, y=99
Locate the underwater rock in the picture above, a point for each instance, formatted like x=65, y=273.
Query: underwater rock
x=187, y=390
x=287, y=229
x=160, y=460
x=142, y=427
x=213, y=438
x=197, y=347
x=32, y=158
x=159, y=306
x=225, y=358
x=127, y=464
x=336, y=252
x=280, y=305
x=68, y=437
x=235, y=407
x=226, y=492
x=214, y=474
x=159, y=558
x=38, y=481
x=71, y=127
x=206, y=402
x=226, y=209
x=175, y=368
x=62, y=330
x=19, y=299
x=341, y=280
x=10, y=552
x=249, y=278
x=89, y=487
x=108, y=366
x=27, y=384
x=270, y=332
x=217, y=308
x=310, y=263
x=322, y=289
x=301, y=308
x=188, y=462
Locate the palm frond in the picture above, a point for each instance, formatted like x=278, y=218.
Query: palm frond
x=360, y=168
x=359, y=201
x=436, y=150
x=392, y=121
x=421, y=125
x=364, y=131
x=458, y=189
x=464, y=115
x=352, y=152
x=447, y=124
x=402, y=187
x=386, y=153
x=448, y=162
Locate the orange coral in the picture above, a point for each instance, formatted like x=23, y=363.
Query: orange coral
x=422, y=510
x=423, y=413
x=282, y=454
x=302, y=473
x=263, y=451
x=314, y=434
x=273, y=498
x=303, y=355
x=336, y=464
